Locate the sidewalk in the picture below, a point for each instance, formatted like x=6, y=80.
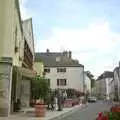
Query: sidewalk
x=50, y=115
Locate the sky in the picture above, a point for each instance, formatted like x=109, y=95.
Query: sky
x=89, y=28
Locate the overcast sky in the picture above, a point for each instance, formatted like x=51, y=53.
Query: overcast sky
x=89, y=28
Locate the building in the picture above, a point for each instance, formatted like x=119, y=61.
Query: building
x=16, y=57
x=27, y=69
x=87, y=83
x=102, y=85
x=112, y=89
x=39, y=67
x=117, y=83
x=61, y=70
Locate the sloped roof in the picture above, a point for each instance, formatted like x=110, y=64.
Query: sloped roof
x=49, y=60
x=106, y=74
x=117, y=70
x=28, y=33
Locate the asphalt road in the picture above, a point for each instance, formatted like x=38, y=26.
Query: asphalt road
x=87, y=113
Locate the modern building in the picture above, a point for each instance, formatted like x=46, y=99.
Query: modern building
x=16, y=57
x=102, y=85
x=61, y=70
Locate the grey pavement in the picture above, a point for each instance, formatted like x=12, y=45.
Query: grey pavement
x=88, y=113
x=50, y=115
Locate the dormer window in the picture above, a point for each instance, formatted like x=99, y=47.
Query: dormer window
x=57, y=59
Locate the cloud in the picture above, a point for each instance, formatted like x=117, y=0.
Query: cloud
x=25, y=11
x=93, y=46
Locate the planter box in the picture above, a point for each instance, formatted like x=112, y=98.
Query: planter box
x=102, y=118
x=115, y=108
x=71, y=102
x=40, y=110
x=68, y=103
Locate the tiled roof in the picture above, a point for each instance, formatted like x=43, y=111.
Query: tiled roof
x=49, y=60
x=106, y=74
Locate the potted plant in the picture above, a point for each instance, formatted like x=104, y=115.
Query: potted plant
x=40, y=89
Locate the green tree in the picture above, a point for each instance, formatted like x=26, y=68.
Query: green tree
x=40, y=88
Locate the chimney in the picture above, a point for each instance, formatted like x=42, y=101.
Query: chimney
x=67, y=54
x=47, y=50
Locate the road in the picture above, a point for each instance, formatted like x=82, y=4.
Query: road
x=88, y=113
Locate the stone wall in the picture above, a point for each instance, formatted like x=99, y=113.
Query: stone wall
x=5, y=86
x=25, y=92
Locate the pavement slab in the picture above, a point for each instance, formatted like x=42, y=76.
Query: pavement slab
x=50, y=115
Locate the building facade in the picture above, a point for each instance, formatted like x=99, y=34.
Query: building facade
x=87, y=83
x=117, y=83
x=16, y=68
x=61, y=70
x=39, y=68
x=102, y=85
x=112, y=89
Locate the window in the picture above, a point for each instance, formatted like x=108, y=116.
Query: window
x=46, y=70
x=61, y=69
x=57, y=59
x=16, y=45
x=58, y=82
x=61, y=82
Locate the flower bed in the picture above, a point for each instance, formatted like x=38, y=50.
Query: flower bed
x=71, y=102
x=113, y=114
x=115, y=108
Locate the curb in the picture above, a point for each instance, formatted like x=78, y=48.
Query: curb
x=66, y=113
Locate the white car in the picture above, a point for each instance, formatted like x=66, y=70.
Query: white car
x=92, y=99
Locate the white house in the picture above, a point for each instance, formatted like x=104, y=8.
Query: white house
x=61, y=70
x=87, y=83
x=112, y=89
x=102, y=85
x=117, y=83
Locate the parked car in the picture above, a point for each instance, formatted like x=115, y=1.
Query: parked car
x=92, y=99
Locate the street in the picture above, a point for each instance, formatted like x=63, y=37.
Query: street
x=87, y=113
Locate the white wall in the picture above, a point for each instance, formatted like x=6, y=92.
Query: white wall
x=112, y=90
x=6, y=28
x=9, y=21
x=103, y=87
x=87, y=83
x=117, y=83
x=74, y=76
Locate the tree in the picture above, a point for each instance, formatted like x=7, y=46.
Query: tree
x=40, y=88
